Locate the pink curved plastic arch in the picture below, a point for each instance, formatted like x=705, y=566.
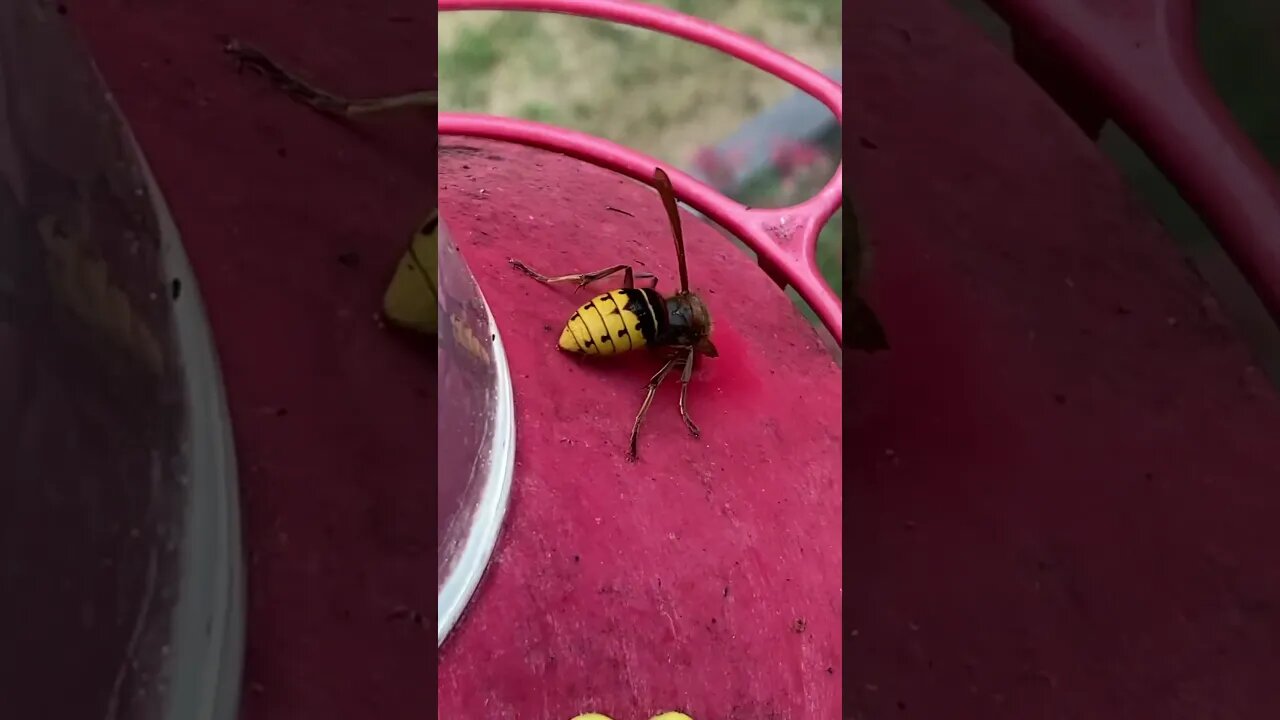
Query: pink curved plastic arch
x=1139, y=58
x=784, y=238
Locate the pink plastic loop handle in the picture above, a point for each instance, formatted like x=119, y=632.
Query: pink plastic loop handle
x=1139, y=59
x=785, y=239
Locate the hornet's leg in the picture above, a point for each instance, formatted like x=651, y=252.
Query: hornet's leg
x=584, y=279
x=684, y=392
x=651, y=390
x=302, y=91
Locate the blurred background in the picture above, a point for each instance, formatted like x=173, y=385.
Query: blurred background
x=752, y=136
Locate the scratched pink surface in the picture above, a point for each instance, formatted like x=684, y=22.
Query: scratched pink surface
x=1062, y=479
x=706, y=577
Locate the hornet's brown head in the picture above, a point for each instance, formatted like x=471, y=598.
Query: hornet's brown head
x=688, y=320
x=688, y=324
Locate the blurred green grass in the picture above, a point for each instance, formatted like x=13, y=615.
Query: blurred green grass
x=661, y=95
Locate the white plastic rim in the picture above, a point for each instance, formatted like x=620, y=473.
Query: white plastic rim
x=486, y=522
x=205, y=652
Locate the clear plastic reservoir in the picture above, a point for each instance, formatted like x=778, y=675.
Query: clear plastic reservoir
x=120, y=555
x=476, y=436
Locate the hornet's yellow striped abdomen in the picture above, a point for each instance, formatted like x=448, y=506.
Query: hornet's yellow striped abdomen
x=410, y=301
x=615, y=322
x=629, y=318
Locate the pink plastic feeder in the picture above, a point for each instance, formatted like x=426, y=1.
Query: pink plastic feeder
x=1062, y=478
x=1135, y=61
x=705, y=577
x=784, y=238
